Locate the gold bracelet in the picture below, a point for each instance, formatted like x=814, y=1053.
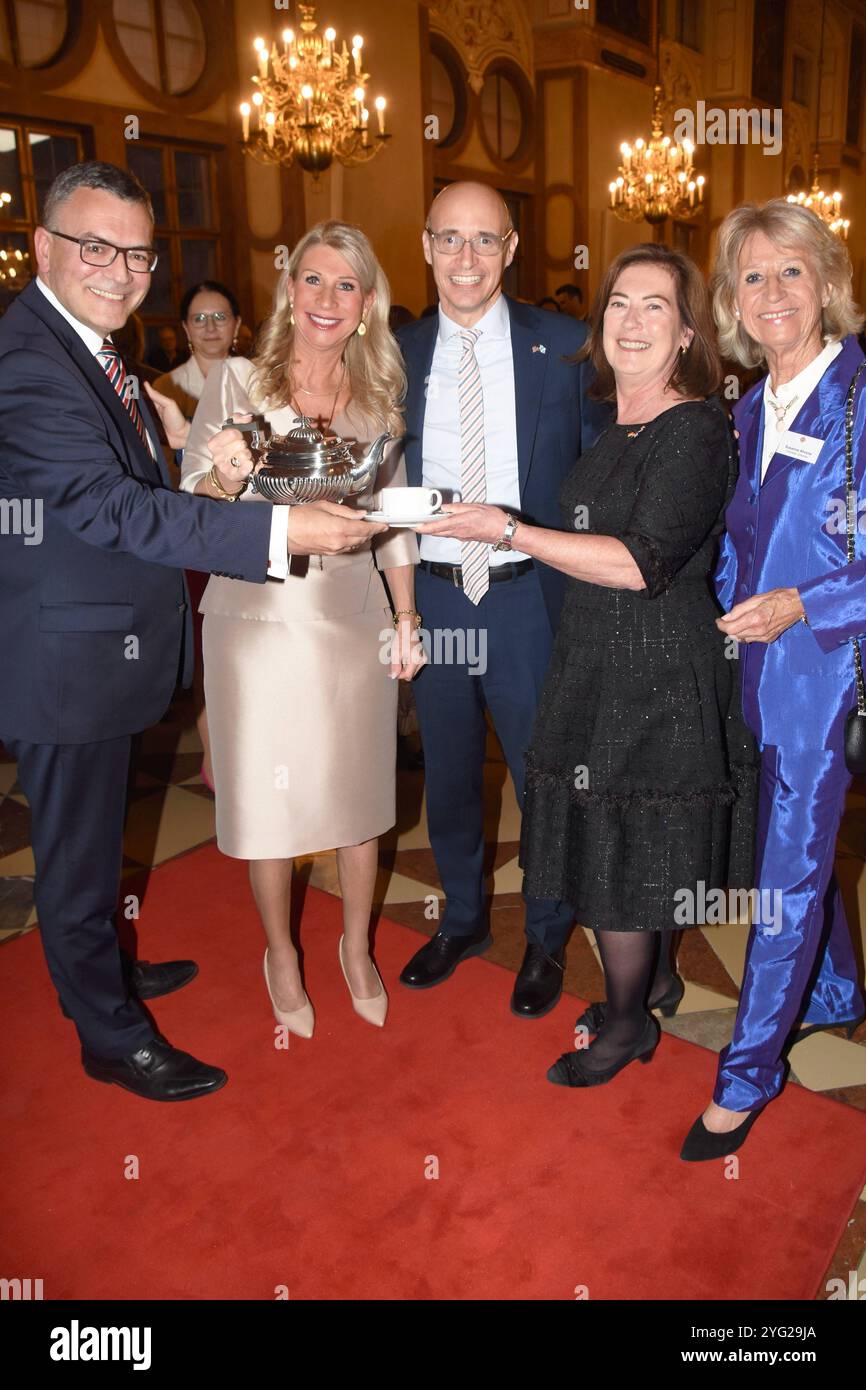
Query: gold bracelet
x=407, y=613
x=217, y=486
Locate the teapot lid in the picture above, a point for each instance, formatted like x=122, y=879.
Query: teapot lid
x=305, y=446
x=305, y=430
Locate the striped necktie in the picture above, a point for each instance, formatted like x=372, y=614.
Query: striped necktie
x=111, y=363
x=474, y=554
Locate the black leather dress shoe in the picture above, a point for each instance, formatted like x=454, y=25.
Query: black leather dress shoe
x=156, y=1072
x=147, y=981
x=440, y=957
x=539, y=983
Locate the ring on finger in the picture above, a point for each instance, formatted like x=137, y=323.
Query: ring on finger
x=235, y=463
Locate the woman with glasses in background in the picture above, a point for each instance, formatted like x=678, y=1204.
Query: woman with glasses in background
x=211, y=319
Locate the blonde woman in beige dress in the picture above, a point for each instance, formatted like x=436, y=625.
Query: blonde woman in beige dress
x=301, y=674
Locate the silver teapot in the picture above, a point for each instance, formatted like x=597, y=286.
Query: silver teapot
x=304, y=466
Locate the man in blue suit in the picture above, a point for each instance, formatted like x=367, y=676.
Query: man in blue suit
x=94, y=620
x=493, y=413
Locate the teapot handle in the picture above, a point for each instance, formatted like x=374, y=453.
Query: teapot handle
x=256, y=431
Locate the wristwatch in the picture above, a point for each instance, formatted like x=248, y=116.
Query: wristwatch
x=511, y=526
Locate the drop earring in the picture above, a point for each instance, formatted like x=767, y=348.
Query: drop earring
x=291, y=313
x=362, y=328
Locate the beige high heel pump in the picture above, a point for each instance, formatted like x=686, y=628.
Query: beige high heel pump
x=299, y=1021
x=373, y=1010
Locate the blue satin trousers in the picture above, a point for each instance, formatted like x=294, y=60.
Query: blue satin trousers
x=800, y=968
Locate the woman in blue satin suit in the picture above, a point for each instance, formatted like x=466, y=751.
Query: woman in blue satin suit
x=783, y=297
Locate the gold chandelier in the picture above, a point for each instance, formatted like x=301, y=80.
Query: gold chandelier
x=656, y=178
x=14, y=267
x=14, y=264
x=310, y=102
x=827, y=206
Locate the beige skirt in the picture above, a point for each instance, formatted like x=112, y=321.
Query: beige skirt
x=301, y=710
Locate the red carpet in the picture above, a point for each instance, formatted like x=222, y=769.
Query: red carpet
x=308, y=1169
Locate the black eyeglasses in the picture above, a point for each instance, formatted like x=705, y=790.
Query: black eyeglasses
x=450, y=243
x=102, y=253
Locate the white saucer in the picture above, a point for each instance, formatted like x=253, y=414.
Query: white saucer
x=404, y=521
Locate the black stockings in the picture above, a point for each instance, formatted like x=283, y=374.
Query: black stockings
x=637, y=965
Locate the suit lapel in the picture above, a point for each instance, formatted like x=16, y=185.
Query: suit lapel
x=419, y=361
x=529, y=372
x=138, y=454
x=750, y=423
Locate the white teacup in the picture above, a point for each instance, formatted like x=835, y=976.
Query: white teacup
x=409, y=503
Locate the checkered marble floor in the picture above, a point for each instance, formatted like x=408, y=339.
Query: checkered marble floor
x=171, y=812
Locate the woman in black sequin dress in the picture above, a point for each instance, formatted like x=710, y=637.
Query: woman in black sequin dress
x=641, y=777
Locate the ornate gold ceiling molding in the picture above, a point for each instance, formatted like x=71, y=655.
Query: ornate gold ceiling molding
x=797, y=148
x=681, y=78
x=484, y=30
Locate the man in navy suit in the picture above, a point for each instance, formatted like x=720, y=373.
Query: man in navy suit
x=94, y=620
x=493, y=412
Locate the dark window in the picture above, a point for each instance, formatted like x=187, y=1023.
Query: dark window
x=49, y=154
x=629, y=17
x=767, y=50
x=443, y=104
x=501, y=115
x=163, y=39
x=181, y=183
x=32, y=32
x=30, y=156
x=854, y=113
x=689, y=21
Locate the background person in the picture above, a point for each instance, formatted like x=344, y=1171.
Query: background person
x=570, y=301
x=212, y=322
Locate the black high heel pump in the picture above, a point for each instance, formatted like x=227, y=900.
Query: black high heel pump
x=571, y=1070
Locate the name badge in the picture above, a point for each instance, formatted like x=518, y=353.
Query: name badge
x=800, y=446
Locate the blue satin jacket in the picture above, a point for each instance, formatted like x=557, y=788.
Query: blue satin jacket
x=790, y=532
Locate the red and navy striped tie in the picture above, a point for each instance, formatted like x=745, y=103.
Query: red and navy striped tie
x=114, y=369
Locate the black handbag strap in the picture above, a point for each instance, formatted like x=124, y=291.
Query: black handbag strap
x=851, y=521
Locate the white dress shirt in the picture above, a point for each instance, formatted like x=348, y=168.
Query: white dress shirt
x=440, y=446
x=794, y=394
x=278, y=560
x=92, y=340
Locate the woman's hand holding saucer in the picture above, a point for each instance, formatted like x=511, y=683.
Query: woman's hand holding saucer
x=466, y=521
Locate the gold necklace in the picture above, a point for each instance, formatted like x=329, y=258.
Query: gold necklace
x=300, y=412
